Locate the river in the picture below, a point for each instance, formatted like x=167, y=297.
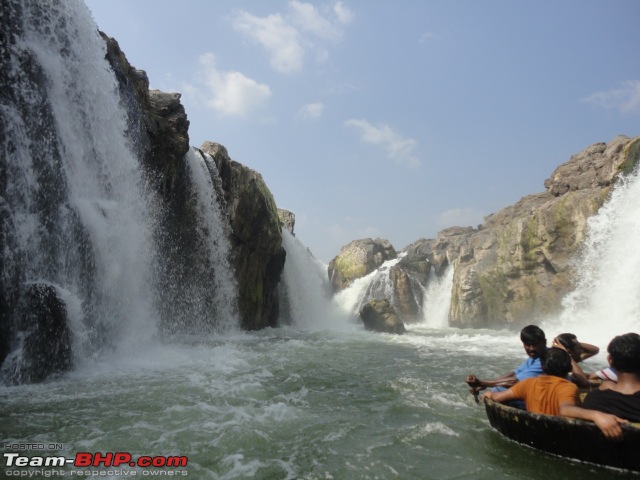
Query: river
x=290, y=404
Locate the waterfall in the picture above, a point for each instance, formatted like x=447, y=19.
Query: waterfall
x=81, y=226
x=437, y=299
x=375, y=285
x=606, y=300
x=306, y=292
x=213, y=236
x=75, y=212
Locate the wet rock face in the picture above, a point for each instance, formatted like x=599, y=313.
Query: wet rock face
x=379, y=316
x=256, y=235
x=158, y=124
x=42, y=337
x=358, y=259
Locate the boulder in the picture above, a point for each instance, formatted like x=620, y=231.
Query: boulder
x=358, y=259
x=380, y=316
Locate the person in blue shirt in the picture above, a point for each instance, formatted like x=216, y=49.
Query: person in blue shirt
x=534, y=342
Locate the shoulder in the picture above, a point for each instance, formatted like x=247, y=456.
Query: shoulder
x=524, y=384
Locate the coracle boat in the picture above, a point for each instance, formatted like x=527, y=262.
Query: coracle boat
x=567, y=437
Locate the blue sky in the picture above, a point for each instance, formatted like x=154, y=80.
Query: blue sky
x=391, y=119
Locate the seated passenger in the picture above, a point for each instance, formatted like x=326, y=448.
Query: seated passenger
x=545, y=393
x=534, y=342
x=552, y=394
x=578, y=351
x=622, y=398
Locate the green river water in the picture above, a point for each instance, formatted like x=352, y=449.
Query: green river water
x=286, y=404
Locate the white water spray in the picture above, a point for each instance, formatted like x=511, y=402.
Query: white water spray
x=606, y=300
x=99, y=183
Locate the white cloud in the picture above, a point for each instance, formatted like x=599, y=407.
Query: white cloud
x=311, y=110
x=343, y=13
x=288, y=37
x=307, y=17
x=231, y=93
x=278, y=37
x=398, y=148
x=625, y=99
x=460, y=217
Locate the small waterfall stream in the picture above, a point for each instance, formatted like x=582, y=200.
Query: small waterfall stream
x=437, y=299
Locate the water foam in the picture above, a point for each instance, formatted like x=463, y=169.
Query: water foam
x=606, y=300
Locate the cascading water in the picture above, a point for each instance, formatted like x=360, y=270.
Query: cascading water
x=375, y=285
x=79, y=220
x=306, y=292
x=75, y=214
x=606, y=300
x=204, y=175
x=437, y=299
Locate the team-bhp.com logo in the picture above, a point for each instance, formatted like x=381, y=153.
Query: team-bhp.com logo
x=111, y=460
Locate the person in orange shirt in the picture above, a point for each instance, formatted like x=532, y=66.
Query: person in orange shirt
x=552, y=394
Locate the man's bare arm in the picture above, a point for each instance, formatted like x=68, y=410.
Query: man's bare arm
x=501, y=397
x=507, y=380
x=607, y=423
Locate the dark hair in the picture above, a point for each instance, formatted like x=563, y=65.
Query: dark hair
x=568, y=340
x=556, y=362
x=532, y=335
x=625, y=353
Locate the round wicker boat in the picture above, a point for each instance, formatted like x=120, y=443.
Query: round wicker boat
x=567, y=437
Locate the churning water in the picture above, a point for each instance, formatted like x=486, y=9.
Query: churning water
x=319, y=399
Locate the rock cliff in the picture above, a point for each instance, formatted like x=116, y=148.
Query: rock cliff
x=160, y=128
x=517, y=266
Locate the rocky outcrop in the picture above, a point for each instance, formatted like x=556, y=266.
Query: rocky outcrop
x=258, y=255
x=157, y=121
x=182, y=280
x=518, y=265
x=287, y=220
x=379, y=316
x=358, y=259
x=256, y=240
